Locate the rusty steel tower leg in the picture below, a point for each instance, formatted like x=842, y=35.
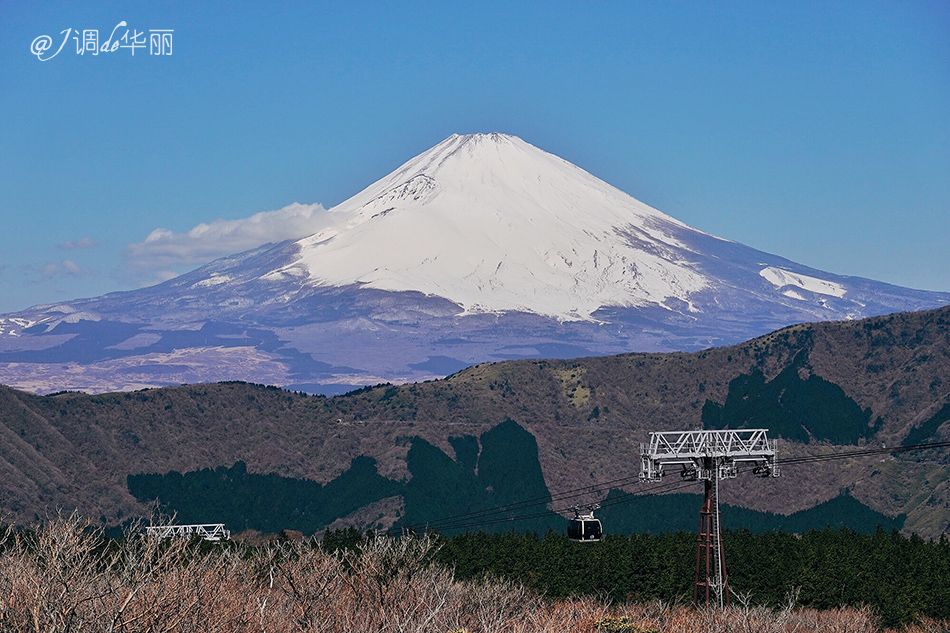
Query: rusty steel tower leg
x=701, y=586
x=721, y=588
x=711, y=586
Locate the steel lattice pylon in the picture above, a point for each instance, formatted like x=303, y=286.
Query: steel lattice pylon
x=208, y=531
x=709, y=456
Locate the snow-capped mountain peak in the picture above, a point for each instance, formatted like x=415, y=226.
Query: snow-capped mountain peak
x=495, y=224
x=482, y=248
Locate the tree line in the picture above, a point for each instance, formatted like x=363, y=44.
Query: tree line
x=903, y=578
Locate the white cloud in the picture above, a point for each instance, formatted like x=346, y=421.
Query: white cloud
x=51, y=270
x=164, y=275
x=164, y=251
x=82, y=242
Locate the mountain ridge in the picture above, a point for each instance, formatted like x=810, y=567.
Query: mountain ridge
x=588, y=417
x=480, y=249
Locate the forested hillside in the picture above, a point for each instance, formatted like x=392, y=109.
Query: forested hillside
x=902, y=578
x=819, y=387
x=450, y=496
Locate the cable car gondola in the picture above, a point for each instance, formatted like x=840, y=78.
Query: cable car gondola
x=584, y=528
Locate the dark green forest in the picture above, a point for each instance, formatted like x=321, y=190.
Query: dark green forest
x=267, y=503
x=508, y=472
x=680, y=512
x=498, y=469
x=791, y=407
x=928, y=429
x=902, y=578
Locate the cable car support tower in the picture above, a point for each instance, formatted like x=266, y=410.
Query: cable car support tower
x=708, y=456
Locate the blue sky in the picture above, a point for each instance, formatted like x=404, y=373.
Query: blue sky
x=816, y=131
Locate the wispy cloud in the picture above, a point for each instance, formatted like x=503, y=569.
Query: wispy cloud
x=165, y=253
x=65, y=267
x=82, y=242
x=54, y=270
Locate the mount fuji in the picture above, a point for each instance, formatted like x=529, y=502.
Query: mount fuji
x=482, y=248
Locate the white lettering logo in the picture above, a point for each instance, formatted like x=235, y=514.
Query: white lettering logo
x=87, y=41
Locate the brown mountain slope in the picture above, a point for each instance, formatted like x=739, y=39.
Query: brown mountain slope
x=73, y=450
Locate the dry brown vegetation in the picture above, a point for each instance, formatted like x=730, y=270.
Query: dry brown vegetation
x=66, y=577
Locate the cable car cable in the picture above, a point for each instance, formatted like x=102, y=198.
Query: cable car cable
x=576, y=492
x=866, y=452
x=486, y=516
x=656, y=490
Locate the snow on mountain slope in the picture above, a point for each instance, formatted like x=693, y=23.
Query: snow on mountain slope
x=482, y=248
x=495, y=224
x=781, y=278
